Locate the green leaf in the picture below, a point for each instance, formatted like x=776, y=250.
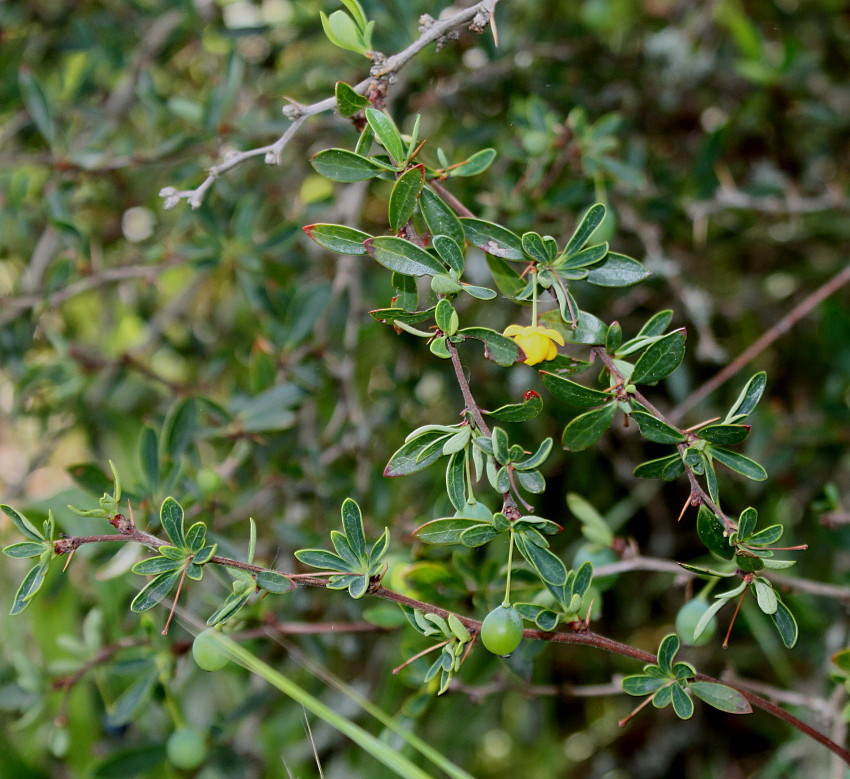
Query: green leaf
x=710, y=529
x=29, y=587
x=738, y=463
x=352, y=523
x=614, y=337
x=531, y=406
x=501, y=445
x=338, y=238
x=271, y=581
x=747, y=523
x=594, y=527
x=149, y=457
x=657, y=324
x=344, y=166
x=721, y=697
x=785, y=624
x=22, y=523
x=171, y=516
x=447, y=530
x=638, y=684
x=506, y=277
x=724, y=434
x=586, y=429
x=154, y=566
x=531, y=481
x=451, y=254
x=477, y=163
x=357, y=588
x=446, y=317
x=180, y=427
x=584, y=259
x=196, y=536
x=683, y=704
x=770, y=535
x=748, y=399
x=404, y=195
x=408, y=459
x=402, y=256
x=533, y=246
x=572, y=393
x=123, y=709
x=654, y=429
x=549, y=567
x=205, y=554
x=321, y=558
x=538, y=458
x=747, y=561
x=155, y=590
x=390, y=315
x=456, y=480
x=592, y=218
x=231, y=606
x=356, y=11
x=387, y=134
x=497, y=347
x=660, y=359
x=348, y=102
x=440, y=218
x=478, y=536
x=25, y=549
x=667, y=468
x=91, y=478
x=342, y=31
x=493, y=238
x=544, y=618
x=617, y=270
x=37, y=105
x=667, y=652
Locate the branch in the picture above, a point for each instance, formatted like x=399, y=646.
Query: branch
x=383, y=70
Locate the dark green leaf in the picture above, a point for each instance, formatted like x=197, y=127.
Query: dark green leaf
x=531, y=481
x=406, y=460
x=498, y=348
x=440, y=218
x=29, y=588
x=180, y=427
x=711, y=532
x=587, y=429
x=37, y=105
x=530, y=407
x=592, y=218
x=667, y=652
x=91, y=478
x=748, y=399
x=770, y=535
x=584, y=259
x=721, y=697
x=155, y=590
x=338, y=238
x=493, y=239
x=747, y=523
x=614, y=338
x=352, y=523
x=389, y=315
x=387, y=134
x=344, y=166
x=357, y=588
x=478, y=535
x=231, y=606
x=348, y=102
x=171, y=517
x=573, y=394
x=549, y=567
x=403, y=257
x=196, y=536
x=638, y=684
x=450, y=253
x=205, y=554
x=656, y=324
x=654, y=429
x=724, y=434
x=683, y=704
x=404, y=195
x=456, y=480
x=538, y=458
x=544, y=618
x=660, y=359
x=667, y=468
x=271, y=581
x=22, y=523
x=738, y=463
x=446, y=531
x=747, y=561
x=617, y=270
x=154, y=566
x=125, y=706
x=507, y=278
x=149, y=457
x=591, y=329
x=320, y=558
x=344, y=549
x=533, y=246
x=785, y=624
x=477, y=163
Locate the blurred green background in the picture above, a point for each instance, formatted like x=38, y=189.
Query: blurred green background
x=719, y=135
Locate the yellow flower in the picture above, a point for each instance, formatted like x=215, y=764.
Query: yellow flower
x=536, y=341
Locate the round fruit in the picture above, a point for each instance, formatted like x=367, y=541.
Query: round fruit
x=501, y=631
x=688, y=617
x=186, y=748
x=208, y=652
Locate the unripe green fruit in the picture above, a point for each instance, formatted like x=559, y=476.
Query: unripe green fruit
x=186, y=748
x=501, y=631
x=208, y=652
x=688, y=617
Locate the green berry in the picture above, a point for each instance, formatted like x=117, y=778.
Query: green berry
x=186, y=748
x=208, y=652
x=688, y=617
x=501, y=631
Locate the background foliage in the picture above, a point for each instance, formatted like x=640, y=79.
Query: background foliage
x=719, y=137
